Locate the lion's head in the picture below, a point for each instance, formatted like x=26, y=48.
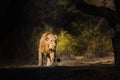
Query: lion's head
x=49, y=40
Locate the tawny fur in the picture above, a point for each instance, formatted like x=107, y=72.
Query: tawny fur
x=47, y=48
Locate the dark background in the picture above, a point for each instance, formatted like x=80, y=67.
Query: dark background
x=23, y=22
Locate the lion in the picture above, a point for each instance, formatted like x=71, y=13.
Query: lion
x=47, y=48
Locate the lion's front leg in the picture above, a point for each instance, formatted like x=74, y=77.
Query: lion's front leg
x=48, y=61
x=52, y=58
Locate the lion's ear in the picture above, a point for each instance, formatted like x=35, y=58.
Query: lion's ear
x=56, y=37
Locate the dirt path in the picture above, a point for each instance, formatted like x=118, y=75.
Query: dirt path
x=87, y=61
x=71, y=62
x=66, y=70
x=105, y=72
x=94, y=69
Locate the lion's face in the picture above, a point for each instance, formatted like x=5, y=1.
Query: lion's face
x=52, y=41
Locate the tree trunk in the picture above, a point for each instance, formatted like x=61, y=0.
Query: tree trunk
x=116, y=44
x=116, y=34
x=116, y=48
x=114, y=23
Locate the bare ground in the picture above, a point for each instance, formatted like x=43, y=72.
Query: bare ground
x=81, y=61
x=96, y=69
x=74, y=61
x=103, y=72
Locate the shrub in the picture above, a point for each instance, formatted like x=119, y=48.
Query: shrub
x=66, y=42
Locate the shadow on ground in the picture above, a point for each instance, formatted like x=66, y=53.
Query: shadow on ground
x=103, y=72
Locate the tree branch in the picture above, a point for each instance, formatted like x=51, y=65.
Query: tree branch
x=94, y=10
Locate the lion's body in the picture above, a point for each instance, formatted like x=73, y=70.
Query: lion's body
x=47, y=48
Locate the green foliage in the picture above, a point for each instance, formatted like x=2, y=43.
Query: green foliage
x=95, y=42
x=89, y=41
x=66, y=42
x=63, y=2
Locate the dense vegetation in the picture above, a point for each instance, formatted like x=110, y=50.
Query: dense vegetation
x=78, y=33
